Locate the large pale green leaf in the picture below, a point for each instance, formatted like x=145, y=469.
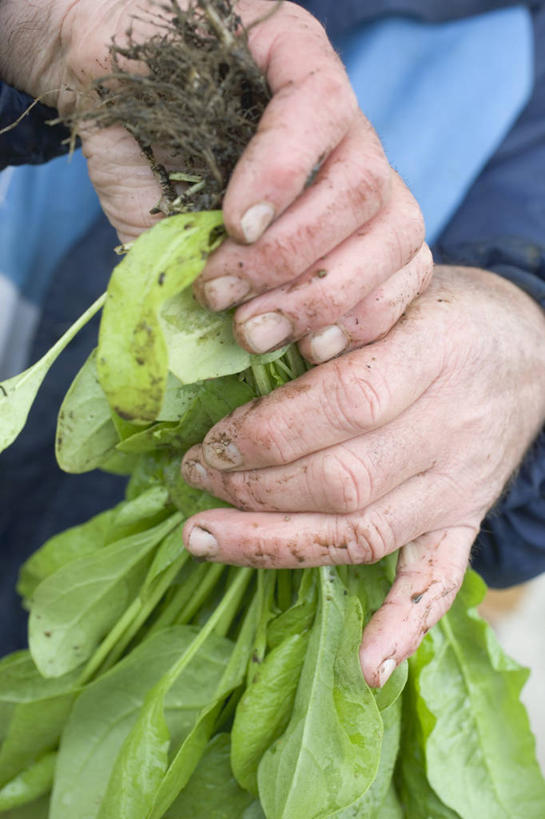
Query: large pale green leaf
x=17, y=394
x=480, y=751
x=74, y=608
x=200, y=344
x=329, y=754
x=133, y=356
x=86, y=434
x=418, y=797
x=107, y=710
x=62, y=549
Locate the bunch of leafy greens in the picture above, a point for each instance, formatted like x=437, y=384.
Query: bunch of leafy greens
x=158, y=686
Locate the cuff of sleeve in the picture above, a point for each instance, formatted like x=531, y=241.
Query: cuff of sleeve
x=32, y=141
x=520, y=261
x=510, y=548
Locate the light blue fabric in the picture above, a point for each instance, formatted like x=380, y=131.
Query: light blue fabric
x=43, y=210
x=441, y=96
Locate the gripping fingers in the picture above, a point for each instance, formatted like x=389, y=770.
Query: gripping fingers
x=311, y=93
x=341, y=479
x=341, y=279
x=430, y=572
x=350, y=188
x=275, y=540
x=375, y=315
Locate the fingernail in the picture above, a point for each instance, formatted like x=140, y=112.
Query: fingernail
x=224, y=292
x=194, y=472
x=327, y=343
x=221, y=454
x=256, y=220
x=385, y=671
x=202, y=543
x=264, y=332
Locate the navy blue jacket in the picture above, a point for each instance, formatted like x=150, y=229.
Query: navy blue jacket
x=500, y=226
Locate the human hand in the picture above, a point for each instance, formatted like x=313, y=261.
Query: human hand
x=403, y=444
x=348, y=236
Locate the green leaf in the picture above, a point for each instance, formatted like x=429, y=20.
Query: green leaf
x=17, y=394
x=480, y=751
x=417, y=795
x=329, y=754
x=372, y=804
x=86, y=434
x=192, y=748
x=393, y=688
x=62, y=549
x=30, y=784
x=265, y=708
x=133, y=354
x=73, y=609
x=142, y=762
x=127, y=518
x=108, y=708
x=212, y=792
x=38, y=710
x=202, y=406
x=200, y=344
x=33, y=810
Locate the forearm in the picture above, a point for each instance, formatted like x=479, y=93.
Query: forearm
x=31, y=46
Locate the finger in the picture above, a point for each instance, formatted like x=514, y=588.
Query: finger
x=122, y=179
x=375, y=315
x=356, y=393
x=350, y=188
x=429, y=574
x=340, y=279
x=311, y=110
x=341, y=479
x=275, y=540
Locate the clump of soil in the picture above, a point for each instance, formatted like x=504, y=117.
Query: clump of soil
x=191, y=96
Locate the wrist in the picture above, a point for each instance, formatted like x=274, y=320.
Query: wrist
x=31, y=50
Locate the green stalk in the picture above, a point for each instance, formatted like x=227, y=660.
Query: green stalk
x=203, y=592
x=179, y=599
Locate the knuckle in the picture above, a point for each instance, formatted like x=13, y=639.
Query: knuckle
x=355, y=400
x=368, y=184
x=345, y=482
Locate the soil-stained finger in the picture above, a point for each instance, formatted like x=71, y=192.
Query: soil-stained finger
x=375, y=315
x=311, y=110
x=358, y=392
x=352, y=185
x=429, y=574
x=335, y=283
x=290, y=541
x=341, y=479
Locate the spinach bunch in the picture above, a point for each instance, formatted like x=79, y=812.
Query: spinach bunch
x=158, y=686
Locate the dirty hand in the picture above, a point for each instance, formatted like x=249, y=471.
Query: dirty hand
x=404, y=444
x=317, y=218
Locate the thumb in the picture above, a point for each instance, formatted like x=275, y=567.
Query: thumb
x=430, y=572
x=123, y=180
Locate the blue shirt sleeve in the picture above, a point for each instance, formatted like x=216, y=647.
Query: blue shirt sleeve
x=32, y=141
x=501, y=227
